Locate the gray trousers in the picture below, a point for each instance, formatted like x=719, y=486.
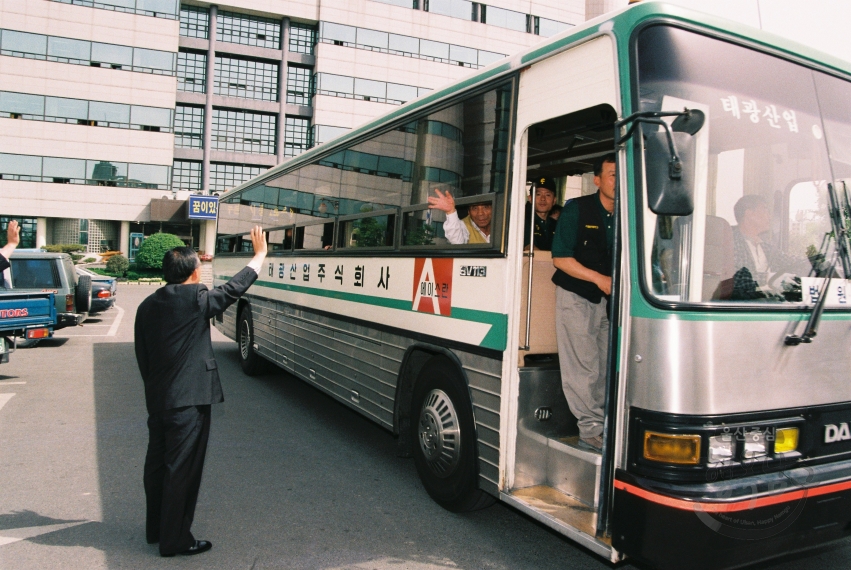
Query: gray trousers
x=582, y=332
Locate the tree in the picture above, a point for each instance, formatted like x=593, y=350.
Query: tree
x=154, y=248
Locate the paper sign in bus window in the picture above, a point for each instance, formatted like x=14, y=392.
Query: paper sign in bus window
x=433, y=286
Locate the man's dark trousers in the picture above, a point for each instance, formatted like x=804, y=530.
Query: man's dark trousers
x=176, y=449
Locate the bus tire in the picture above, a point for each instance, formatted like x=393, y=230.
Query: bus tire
x=250, y=362
x=27, y=342
x=444, y=438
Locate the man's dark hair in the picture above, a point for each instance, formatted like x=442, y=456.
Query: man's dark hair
x=746, y=204
x=598, y=166
x=179, y=263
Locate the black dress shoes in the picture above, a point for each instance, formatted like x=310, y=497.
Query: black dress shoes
x=199, y=547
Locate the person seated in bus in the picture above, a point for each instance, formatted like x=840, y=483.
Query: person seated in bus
x=545, y=226
x=582, y=255
x=475, y=227
x=761, y=270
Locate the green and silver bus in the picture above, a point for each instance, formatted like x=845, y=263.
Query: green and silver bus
x=726, y=419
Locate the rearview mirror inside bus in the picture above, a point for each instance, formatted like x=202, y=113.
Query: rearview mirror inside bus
x=666, y=195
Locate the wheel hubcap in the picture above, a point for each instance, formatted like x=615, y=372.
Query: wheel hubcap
x=244, y=339
x=439, y=433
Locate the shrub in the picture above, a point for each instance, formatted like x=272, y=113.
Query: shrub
x=117, y=265
x=64, y=247
x=75, y=257
x=153, y=249
x=89, y=260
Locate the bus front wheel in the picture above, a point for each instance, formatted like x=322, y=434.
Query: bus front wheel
x=444, y=445
x=249, y=360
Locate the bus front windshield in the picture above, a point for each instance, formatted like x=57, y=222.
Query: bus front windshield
x=776, y=135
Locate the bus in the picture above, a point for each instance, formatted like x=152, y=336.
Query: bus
x=727, y=397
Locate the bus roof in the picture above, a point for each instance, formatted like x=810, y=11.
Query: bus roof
x=619, y=22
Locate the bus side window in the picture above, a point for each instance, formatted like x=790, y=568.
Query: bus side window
x=316, y=237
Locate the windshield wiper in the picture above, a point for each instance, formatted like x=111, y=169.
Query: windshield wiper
x=812, y=324
x=841, y=251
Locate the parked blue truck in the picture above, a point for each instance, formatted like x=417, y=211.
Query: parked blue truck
x=24, y=316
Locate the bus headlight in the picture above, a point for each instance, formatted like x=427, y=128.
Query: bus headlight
x=754, y=444
x=786, y=440
x=671, y=448
x=721, y=448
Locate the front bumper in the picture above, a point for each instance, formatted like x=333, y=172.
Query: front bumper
x=733, y=523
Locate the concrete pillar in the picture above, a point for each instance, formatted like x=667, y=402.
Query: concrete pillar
x=124, y=239
x=40, y=232
x=208, y=105
x=282, y=89
x=208, y=236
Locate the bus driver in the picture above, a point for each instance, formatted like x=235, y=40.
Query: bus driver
x=474, y=228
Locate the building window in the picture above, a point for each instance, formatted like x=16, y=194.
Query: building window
x=366, y=89
x=191, y=72
x=246, y=78
x=188, y=127
x=242, y=131
x=226, y=176
x=84, y=232
x=299, y=85
x=325, y=133
x=297, y=136
x=408, y=46
x=157, y=8
x=186, y=175
x=302, y=38
x=28, y=229
x=248, y=30
x=194, y=22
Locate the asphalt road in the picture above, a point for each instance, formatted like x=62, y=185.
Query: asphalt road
x=293, y=480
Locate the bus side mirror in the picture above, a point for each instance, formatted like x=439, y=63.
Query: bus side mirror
x=670, y=183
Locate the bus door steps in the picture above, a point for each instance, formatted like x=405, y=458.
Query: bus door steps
x=547, y=451
x=565, y=514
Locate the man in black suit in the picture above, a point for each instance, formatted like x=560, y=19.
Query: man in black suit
x=175, y=357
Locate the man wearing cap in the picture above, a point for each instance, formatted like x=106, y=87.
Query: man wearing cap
x=582, y=255
x=545, y=227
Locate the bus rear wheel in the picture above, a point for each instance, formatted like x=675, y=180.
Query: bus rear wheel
x=250, y=362
x=444, y=434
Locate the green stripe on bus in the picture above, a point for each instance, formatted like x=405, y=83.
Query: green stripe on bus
x=494, y=339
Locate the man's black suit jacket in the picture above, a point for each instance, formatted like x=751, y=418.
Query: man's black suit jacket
x=173, y=346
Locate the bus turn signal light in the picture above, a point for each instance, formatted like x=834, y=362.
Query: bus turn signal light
x=785, y=440
x=669, y=448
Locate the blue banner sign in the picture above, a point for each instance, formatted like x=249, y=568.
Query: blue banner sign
x=203, y=207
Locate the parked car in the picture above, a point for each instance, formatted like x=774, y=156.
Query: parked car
x=39, y=271
x=104, y=290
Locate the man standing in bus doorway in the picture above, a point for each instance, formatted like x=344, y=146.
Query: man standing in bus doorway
x=582, y=255
x=543, y=202
x=474, y=228
x=175, y=357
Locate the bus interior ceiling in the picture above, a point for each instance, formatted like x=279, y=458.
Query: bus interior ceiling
x=551, y=472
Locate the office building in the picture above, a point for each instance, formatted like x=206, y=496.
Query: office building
x=112, y=112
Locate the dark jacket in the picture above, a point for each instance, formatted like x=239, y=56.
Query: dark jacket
x=4, y=263
x=172, y=341
x=591, y=250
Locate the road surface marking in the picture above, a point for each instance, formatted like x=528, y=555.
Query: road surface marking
x=116, y=322
x=10, y=535
x=5, y=398
x=6, y=383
